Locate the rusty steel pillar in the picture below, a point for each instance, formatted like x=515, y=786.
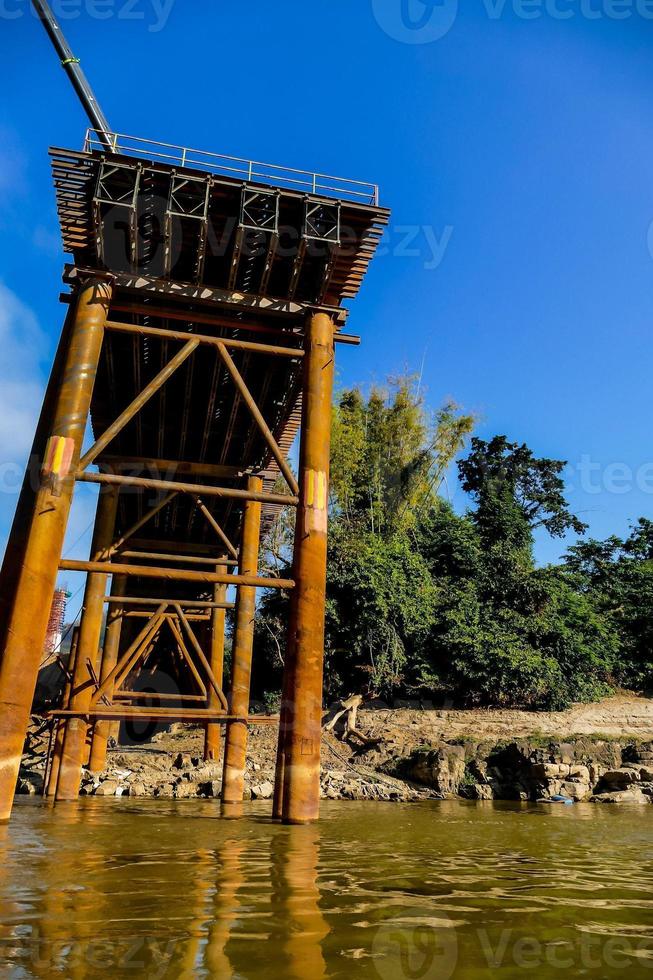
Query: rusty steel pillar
x=298, y=758
x=235, y=746
x=55, y=762
x=27, y=620
x=216, y=659
x=17, y=539
x=90, y=628
x=110, y=651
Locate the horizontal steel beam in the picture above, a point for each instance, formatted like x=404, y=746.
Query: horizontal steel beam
x=208, y=295
x=223, y=322
x=180, y=547
x=186, y=603
x=184, y=467
x=151, y=696
x=112, y=479
x=190, y=559
x=174, y=574
x=198, y=617
x=272, y=349
x=162, y=714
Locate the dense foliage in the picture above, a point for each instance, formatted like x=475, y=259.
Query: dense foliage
x=425, y=601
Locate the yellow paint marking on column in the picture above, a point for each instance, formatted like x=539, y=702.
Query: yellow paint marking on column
x=316, y=500
x=310, y=488
x=58, y=456
x=321, y=490
x=316, y=489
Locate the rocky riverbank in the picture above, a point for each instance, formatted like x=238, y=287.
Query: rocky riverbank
x=594, y=753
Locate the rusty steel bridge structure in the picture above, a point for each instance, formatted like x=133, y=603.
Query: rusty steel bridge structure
x=204, y=307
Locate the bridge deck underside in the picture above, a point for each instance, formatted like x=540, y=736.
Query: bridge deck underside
x=200, y=254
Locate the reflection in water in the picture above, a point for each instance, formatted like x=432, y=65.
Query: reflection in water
x=228, y=881
x=300, y=926
x=170, y=890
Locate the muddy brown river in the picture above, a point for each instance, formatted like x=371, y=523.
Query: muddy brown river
x=432, y=890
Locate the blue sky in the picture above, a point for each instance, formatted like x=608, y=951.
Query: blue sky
x=515, y=151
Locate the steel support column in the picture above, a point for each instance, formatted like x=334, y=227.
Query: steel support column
x=28, y=619
x=212, y=732
x=110, y=650
x=236, y=734
x=60, y=726
x=90, y=629
x=297, y=797
x=17, y=539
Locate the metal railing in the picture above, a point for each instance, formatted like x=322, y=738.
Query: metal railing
x=240, y=169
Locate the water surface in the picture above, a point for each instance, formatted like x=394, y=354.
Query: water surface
x=386, y=891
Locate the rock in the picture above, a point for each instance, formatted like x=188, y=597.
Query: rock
x=567, y=752
x=548, y=770
x=580, y=773
x=575, y=791
x=136, y=789
x=207, y=773
x=478, y=770
x=263, y=791
x=107, y=788
x=621, y=777
x=552, y=787
x=211, y=790
x=120, y=773
x=595, y=770
x=26, y=787
x=634, y=795
x=165, y=791
x=481, y=791
x=183, y=761
x=443, y=769
x=184, y=790
x=646, y=772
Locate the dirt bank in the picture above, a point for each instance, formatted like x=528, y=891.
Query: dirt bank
x=602, y=752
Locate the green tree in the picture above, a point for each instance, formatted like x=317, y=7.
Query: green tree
x=505, y=632
x=420, y=598
x=617, y=575
x=389, y=457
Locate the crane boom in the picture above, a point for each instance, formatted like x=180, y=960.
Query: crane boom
x=74, y=71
